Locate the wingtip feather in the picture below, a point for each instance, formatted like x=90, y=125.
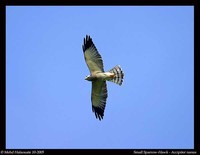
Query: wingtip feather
x=87, y=42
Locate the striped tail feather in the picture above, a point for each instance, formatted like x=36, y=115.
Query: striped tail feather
x=119, y=75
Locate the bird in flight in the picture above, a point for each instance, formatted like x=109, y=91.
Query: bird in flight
x=98, y=77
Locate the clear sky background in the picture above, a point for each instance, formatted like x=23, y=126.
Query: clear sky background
x=48, y=102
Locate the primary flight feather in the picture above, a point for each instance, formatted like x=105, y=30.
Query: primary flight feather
x=98, y=77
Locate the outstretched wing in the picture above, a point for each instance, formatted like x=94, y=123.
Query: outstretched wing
x=92, y=56
x=99, y=96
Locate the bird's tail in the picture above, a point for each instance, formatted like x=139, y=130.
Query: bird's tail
x=119, y=75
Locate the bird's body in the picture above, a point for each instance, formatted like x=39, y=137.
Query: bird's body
x=98, y=77
x=101, y=76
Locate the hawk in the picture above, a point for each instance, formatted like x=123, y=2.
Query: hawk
x=98, y=77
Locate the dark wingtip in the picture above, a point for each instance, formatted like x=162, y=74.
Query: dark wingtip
x=87, y=36
x=87, y=43
x=99, y=113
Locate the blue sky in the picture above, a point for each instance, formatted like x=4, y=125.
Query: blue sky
x=48, y=102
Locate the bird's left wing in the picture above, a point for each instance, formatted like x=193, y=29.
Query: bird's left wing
x=92, y=56
x=99, y=96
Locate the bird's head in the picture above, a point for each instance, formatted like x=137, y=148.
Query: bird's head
x=89, y=78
